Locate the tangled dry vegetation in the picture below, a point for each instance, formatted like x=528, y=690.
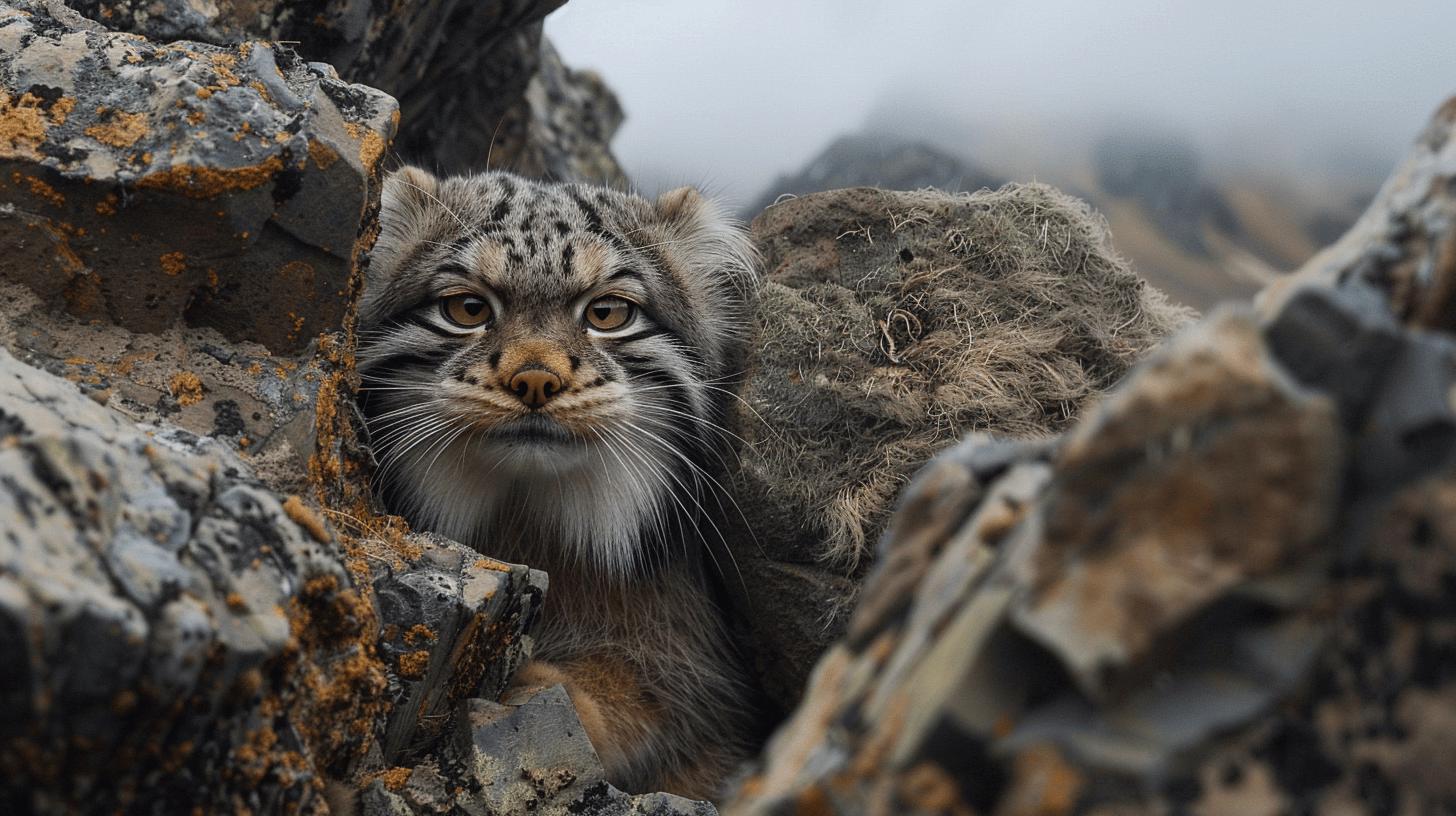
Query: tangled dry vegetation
x=932, y=315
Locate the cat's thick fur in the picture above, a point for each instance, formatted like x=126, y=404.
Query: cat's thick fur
x=596, y=454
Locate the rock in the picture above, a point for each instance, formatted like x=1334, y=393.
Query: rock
x=528, y=755
x=892, y=324
x=458, y=626
x=1403, y=244
x=874, y=160
x=494, y=89
x=237, y=393
x=164, y=613
x=562, y=127
x=155, y=184
x=1225, y=588
x=182, y=634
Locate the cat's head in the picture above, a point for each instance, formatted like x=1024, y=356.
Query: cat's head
x=547, y=365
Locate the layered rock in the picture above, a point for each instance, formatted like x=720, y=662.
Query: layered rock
x=1226, y=589
x=892, y=323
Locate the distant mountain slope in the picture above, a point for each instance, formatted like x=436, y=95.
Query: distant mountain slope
x=871, y=160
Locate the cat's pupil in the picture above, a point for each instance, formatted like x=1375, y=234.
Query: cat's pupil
x=473, y=307
x=603, y=312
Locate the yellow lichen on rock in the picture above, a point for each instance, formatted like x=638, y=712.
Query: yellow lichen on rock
x=186, y=388
x=121, y=130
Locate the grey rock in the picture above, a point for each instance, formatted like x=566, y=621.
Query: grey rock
x=456, y=626
x=494, y=89
x=528, y=754
x=148, y=597
x=152, y=184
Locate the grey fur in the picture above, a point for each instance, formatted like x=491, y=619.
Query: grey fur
x=624, y=511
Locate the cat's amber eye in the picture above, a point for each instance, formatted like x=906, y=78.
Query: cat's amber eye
x=610, y=313
x=466, y=311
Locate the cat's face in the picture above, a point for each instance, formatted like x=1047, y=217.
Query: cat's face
x=545, y=365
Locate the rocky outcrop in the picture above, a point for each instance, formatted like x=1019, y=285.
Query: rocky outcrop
x=492, y=89
x=1226, y=589
x=893, y=323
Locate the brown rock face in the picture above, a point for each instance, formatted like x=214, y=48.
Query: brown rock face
x=1228, y=587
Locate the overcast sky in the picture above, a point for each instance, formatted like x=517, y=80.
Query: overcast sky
x=730, y=93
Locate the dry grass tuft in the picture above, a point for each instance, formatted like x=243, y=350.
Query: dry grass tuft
x=895, y=322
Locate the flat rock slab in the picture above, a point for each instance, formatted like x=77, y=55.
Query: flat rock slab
x=149, y=184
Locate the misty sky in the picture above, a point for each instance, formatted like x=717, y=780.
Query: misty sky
x=730, y=93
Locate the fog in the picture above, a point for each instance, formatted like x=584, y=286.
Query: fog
x=731, y=93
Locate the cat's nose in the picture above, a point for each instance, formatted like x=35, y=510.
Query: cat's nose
x=535, y=386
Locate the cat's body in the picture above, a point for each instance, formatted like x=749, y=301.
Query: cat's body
x=546, y=369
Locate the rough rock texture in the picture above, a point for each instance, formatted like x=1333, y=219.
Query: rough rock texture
x=1404, y=243
x=892, y=324
x=152, y=184
x=181, y=636
x=493, y=88
x=528, y=754
x=1228, y=588
x=163, y=613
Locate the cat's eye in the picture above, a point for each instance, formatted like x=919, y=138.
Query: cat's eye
x=610, y=313
x=466, y=311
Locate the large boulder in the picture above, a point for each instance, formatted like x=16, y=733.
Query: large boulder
x=1227, y=588
x=893, y=323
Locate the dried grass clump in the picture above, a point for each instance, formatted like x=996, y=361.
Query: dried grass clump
x=895, y=322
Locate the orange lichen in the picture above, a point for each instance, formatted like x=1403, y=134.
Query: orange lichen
x=323, y=156
x=395, y=778
x=121, y=130
x=236, y=603
x=412, y=665
x=371, y=144
x=107, y=205
x=173, y=263
x=60, y=109
x=305, y=517
x=39, y=189
x=207, y=182
x=186, y=388
x=419, y=633
x=22, y=125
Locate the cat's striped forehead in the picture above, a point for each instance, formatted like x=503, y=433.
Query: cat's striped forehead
x=538, y=241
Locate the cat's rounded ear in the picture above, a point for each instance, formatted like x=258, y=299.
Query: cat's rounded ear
x=685, y=206
x=410, y=191
x=705, y=238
